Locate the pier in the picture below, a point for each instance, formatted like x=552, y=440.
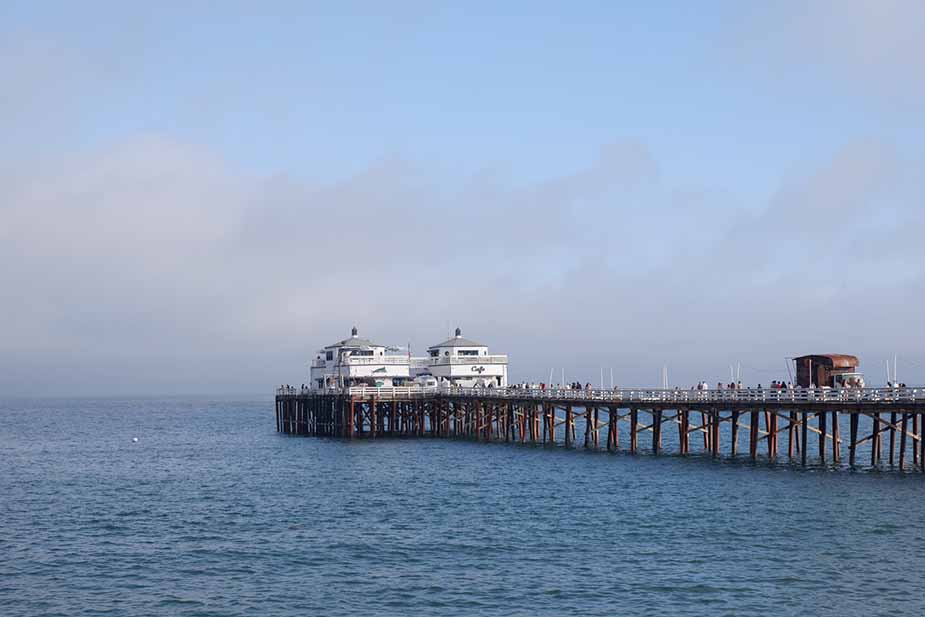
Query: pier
x=859, y=428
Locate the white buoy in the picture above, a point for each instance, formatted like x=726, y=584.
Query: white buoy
x=134, y=440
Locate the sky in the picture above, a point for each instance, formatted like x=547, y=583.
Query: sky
x=195, y=197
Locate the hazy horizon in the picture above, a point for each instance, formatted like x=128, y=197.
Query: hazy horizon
x=195, y=200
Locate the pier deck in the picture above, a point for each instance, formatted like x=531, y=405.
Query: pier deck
x=884, y=425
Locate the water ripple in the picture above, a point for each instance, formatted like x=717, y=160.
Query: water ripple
x=212, y=513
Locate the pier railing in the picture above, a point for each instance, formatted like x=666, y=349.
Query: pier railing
x=495, y=359
x=641, y=395
x=745, y=395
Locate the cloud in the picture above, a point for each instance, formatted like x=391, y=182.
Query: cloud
x=154, y=264
x=871, y=47
x=157, y=258
x=155, y=249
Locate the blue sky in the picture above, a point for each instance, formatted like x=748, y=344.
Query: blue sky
x=285, y=88
x=604, y=121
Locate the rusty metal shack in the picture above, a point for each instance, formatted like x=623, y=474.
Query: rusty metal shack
x=824, y=369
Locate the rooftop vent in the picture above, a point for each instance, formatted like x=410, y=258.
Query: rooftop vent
x=458, y=333
x=353, y=332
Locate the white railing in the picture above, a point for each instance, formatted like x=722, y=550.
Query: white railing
x=414, y=362
x=372, y=360
x=365, y=361
x=745, y=395
x=496, y=359
x=643, y=395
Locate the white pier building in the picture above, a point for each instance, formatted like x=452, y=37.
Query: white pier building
x=456, y=362
x=358, y=361
x=460, y=362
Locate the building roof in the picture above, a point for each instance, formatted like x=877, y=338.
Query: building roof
x=835, y=360
x=354, y=341
x=457, y=341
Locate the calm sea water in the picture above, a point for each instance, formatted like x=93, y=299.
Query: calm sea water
x=213, y=513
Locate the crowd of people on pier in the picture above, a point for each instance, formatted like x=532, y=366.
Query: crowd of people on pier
x=737, y=385
x=287, y=389
x=529, y=385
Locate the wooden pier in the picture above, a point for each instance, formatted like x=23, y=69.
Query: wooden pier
x=802, y=426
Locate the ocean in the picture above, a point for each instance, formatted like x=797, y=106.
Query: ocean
x=211, y=512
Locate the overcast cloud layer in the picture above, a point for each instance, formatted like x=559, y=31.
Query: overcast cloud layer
x=149, y=261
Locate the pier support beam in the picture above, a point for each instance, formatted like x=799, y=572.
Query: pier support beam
x=587, y=427
x=820, y=420
x=753, y=436
x=915, y=431
x=568, y=426
x=613, y=428
x=853, y=437
x=804, y=431
x=892, y=437
x=656, y=431
x=734, y=434
x=875, y=441
x=634, y=433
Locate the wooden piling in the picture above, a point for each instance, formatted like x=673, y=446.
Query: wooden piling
x=804, y=431
x=875, y=441
x=753, y=436
x=922, y=444
x=596, y=441
x=373, y=418
x=613, y=435
x=853, y=439
x=587, y=427
x=568, y=426
x=820, y=421
x=892, y=437
x=915, y=431
x=734, y=434
x=714, y=427
x=550, y=426
x=772, y=435
x=791, y=429
x=634, y=434
x=705, y=432
x=656, y=431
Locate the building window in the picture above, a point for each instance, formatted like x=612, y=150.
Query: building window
x=329, y=356
x=434, y=353
x=362, y=352
x=467, y=352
